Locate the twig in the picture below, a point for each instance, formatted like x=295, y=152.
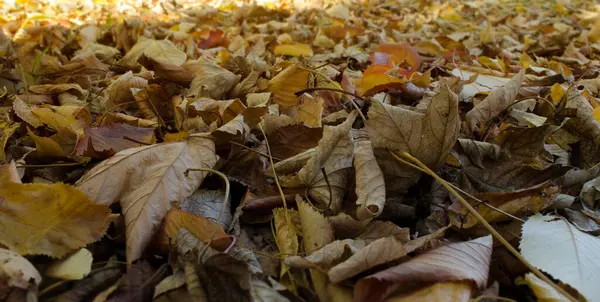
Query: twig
x=285, y=207
x=491, y=229
x=299, y=93
x=50, y=165
x=221, y=212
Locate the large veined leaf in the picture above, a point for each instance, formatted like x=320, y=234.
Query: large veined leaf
x=146, y=180
x=555, y=246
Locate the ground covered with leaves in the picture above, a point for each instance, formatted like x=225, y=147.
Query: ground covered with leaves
x=375, y=151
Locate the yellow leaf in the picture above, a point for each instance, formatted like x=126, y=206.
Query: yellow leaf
x=561, y=68
x=49, y=220
x=441, y=291
x=294, y=50
x=286, y=83
x=421, y=80
x=57, y=120
x=61, y=144
x=487, y=35
x=310, y=111
x=75, y=267
x=557, y=92
x=179, y=136
x=451, y=14
x=525, y=60
x=495, y=64
x=596, y=114
x=594, y=33
x=375, y=79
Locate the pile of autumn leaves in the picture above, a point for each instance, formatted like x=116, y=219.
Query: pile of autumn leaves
x=156, y=128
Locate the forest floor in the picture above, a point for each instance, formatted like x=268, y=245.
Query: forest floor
x=299, y=151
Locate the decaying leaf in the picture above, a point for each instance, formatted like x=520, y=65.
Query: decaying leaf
x=16, y=271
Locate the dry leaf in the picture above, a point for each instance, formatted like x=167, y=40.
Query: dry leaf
x=75, y=267
x=542, y=290
x=370, y=185
x=286, y=83
x=465, y=261
x=294, y=50
x=212, y=78
x=49, y=219
x=552, y=244
x=496, y=102
x=105, y=141
x=159, y=50
x=16, y=271
x=160, y=169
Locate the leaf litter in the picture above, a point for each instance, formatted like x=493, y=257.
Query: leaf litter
x=333, y=151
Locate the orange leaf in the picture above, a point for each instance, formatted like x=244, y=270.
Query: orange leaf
x=398, y=53
x=375, y=80
x=201, y=227
x=340, y=31
x=294, y=50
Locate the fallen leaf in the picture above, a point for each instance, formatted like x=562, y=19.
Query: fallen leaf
x=17, y=271
x=468, y=261
x=6, y=131
x=545, y=236
x=370, y=184
x=212, y=78
x=286, y=83
x=105, y=141
x=199, y=226
x=294, y=50
x=376, y=79
x=542, y=290
x=160, y=169
x=496, y=102
x=75, y=267
x=160, y=50
x=49, y=219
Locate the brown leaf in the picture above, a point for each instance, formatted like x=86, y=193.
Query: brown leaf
x=217, y=80
x=496, y=102
x=167, y=70
x=290, y=140
x=105, y=141
x=468, y=261
x=160, y=169
x=370, y=185
x=378, y=252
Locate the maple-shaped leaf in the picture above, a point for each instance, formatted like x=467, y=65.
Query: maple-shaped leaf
x=49, y=220
x=145, y=180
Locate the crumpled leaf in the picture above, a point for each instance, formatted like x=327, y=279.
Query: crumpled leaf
x=370, y=184
x=119, y=91
x=468, y=261
x=552, y=244
x=496, y=102
x=49, y=219
x=160, y=50
x=160, y=169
